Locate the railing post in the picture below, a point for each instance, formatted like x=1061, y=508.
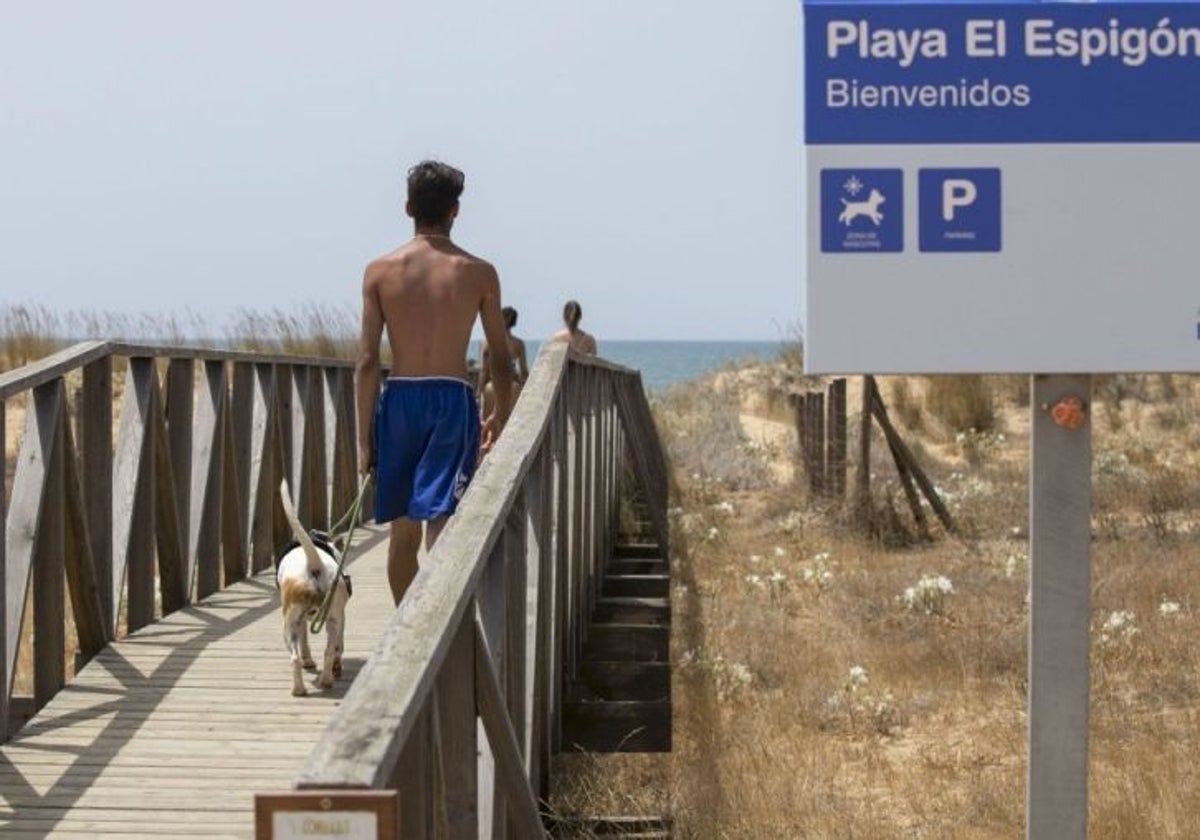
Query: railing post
x=560, y=565
x=208, y=463
x=181, y=401
x=96, y=443
x=241, y=440
x=456, y=741
x=48, y=404
x=134, y=496
x=491, y=602
x=261, y=497
x=540, y=510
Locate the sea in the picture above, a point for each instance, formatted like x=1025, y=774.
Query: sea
x=665, y=363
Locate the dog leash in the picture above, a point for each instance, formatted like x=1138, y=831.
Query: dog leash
x=350, y=521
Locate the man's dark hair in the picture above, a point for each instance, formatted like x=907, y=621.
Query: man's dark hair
x=433, y=191
x=510, y=316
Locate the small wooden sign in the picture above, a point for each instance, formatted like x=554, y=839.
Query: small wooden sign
x=316, y=814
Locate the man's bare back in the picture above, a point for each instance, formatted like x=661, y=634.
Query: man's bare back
x=428, y=293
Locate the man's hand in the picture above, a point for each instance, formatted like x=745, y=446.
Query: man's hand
x=492, y=427
x=366, y=460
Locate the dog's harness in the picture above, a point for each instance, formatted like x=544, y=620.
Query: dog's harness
x=343, y=530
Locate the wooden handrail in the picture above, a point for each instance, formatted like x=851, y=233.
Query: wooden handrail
x=499, y=608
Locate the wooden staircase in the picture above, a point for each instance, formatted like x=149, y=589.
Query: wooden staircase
x=621, y=700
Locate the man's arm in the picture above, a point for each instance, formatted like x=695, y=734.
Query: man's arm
x=522, y=364
x=496, y=333
x=366, y=378
x=485, y=373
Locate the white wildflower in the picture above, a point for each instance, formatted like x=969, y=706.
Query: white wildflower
x=740, y=674
x=755, y=558
x=754, y=580
x=713, y=533
x=928, y=596
x=1120, y=626
x=858, y=676
x=779, y=552
x=1169, y=608
x=777, y=577
x=724, y=507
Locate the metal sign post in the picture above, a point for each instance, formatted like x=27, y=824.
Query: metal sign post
x=1060, y=536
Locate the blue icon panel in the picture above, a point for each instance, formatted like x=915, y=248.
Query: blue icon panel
x=862, y=211
x=959, y=209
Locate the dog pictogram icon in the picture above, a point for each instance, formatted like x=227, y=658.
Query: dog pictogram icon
x=868, y=207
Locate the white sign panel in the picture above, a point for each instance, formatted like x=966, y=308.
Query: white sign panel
x=1002, y=187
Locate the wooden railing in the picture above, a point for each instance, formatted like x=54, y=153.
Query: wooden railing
x=177, y=498
x=494, y=623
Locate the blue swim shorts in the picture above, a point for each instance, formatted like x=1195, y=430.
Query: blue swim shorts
x=427, y=447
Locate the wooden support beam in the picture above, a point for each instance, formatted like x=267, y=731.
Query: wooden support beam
x=509, y=771
x=204, y=550
x=862, y=491
x=49, y=619
x=83, y=585
x=835, y=452
x=180, y=416
x=898, y=446
x=96, y=451
x=170, y=519
x=133, y=509
x=455, y=737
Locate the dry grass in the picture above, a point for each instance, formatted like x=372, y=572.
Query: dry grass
x=776, y=602
x=29, y=332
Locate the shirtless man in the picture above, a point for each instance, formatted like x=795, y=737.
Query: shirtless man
x=422, y=434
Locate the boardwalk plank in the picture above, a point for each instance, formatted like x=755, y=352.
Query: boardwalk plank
x=172, y=730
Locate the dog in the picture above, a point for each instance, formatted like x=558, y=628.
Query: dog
x=869, y=208
x=307, y=570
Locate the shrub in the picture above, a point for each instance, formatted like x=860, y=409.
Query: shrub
x=963, y=403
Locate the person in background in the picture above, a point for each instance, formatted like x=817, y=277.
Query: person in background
x=583, y=342
x=520, y=367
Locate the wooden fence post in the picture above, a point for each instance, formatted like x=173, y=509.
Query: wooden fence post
x=96, y=445
x=835, y=449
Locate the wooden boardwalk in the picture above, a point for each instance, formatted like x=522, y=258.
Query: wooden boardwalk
x=172, y=730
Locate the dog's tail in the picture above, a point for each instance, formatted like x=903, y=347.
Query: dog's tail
x=316, y=568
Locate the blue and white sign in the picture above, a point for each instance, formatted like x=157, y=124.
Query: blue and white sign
x=862, y=210
x=959, y=209
x=1045, y=159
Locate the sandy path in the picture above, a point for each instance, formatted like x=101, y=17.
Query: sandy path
x=778, y=438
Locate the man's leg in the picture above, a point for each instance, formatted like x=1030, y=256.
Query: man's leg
x=402, y=555
x=433, y=530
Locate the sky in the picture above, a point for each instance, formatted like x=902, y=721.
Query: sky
x=642, y=157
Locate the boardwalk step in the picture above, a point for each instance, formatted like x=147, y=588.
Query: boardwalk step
x=635, y=566
x=621, y=681
x=653, y=611
x=638, y=551
x=627, y=642
x=643, y=828
x=636, y=586
x=618, y=726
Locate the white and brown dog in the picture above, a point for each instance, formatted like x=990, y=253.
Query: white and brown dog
x=307, y=570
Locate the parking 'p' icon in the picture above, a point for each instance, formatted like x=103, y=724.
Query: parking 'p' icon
x=957, y=192
x=959, y=209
